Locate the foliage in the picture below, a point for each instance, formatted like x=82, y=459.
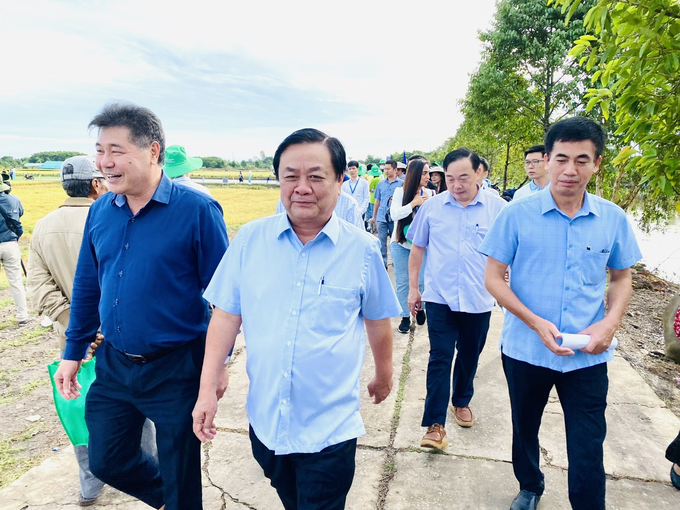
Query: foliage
x=41, y=157
x=633, y=52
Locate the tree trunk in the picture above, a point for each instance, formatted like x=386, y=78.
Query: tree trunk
x=507, y=164
x=617, y=184
x=599, y=179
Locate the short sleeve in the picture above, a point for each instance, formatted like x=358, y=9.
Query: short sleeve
x=502, y=239
x=379, y=300
x=224, y=288
x=625, y=250
x=419, y=231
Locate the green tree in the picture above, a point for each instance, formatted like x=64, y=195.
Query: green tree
x=213, y=162
x=41, y=157
x=632, y=49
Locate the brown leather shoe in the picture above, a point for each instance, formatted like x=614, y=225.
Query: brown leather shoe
x=463, y=416
x=435, y=437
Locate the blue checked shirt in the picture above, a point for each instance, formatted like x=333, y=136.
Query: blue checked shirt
x=454, y=270
x=302, y=308
x=559, y=268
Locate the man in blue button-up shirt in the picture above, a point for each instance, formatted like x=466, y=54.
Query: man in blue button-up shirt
x=303, y=322
x=383, y=200
x=451, y=227
x=559, y=243
x=149, y=250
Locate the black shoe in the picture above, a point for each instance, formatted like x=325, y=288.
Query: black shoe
x=675, y=478
x=405, y=325
x=420, y=317
x=525, y=500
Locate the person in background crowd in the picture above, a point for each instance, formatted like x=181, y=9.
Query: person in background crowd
x=438, y=178
x=535, y=166
x=374, y=177
x=177, y=165
x=356, y=187
x=383, y=200
x=484, y=182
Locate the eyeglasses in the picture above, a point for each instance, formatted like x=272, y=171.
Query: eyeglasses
x=532, y=162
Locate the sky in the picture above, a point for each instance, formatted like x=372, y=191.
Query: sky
x=232, y=79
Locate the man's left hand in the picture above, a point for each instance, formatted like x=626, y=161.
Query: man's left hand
x=379, y=388
x=601, y=336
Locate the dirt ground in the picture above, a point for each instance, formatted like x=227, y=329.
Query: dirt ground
x=30, y=430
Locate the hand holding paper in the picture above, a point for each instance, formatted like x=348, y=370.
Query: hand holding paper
x=575, y=342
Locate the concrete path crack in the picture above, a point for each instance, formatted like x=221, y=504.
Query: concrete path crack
x=389, y=468
x=225, y=494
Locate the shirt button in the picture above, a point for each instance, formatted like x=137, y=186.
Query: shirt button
x=132, y=220
x=294, y=312
x=118, y=329
x=303, y=255
x=284, y=401
x=120, y=274
x=127, y=245
x=570, y=246
x=298, y=284
x=566, y=288
x=286, y=374
x=288, y=344
x=564, y=309
x=568, y=267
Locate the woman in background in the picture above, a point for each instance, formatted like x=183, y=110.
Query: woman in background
x=405, y=203
x=438, y=177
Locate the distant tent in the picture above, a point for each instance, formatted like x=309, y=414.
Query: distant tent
x=51, y=165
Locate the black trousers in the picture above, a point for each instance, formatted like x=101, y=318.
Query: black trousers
x=450, y=332
x=121, y=397
x=583, y=395
x=673, y=451
x=309, y=481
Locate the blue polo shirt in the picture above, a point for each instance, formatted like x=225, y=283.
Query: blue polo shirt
x=303, y=326
x=559, y=268
x=144, y=274
x=384, y=192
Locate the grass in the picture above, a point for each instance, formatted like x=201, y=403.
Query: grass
x=29, y=336
x=23, y=391
x=12, y=465
x=4, y=303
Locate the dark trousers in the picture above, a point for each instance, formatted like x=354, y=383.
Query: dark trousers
x=673, y=451
x=119, y=400
x=309, y=481
x=583, y=395
x=450, y=331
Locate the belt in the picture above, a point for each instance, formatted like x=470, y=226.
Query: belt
x=146, y=358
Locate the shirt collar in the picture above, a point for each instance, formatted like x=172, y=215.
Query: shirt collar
x=161, y=195
x=481, y=196
x=548, y=204
x=331, y=229
x=77, y=202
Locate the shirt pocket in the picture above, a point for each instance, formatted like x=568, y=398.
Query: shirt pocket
x=334, y=308
x=594, y=267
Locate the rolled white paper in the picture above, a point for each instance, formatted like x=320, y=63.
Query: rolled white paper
x=574, y=342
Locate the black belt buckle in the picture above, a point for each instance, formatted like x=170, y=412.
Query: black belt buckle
x=136, y=358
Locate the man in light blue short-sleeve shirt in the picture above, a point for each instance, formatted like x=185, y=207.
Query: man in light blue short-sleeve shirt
x=559, y=244
x=303, y=320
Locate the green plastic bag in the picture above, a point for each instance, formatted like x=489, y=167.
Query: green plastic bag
x=72, y=412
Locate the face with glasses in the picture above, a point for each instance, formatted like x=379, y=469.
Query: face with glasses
x=534, y=165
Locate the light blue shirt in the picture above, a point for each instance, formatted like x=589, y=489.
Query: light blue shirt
x=358, y=190
x=346, y=208
x=559, y=269
x=454, y=271
x=528, y=189
x=303, y=308
x=383, y=192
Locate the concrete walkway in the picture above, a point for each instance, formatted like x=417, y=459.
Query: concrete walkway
x=393, y=472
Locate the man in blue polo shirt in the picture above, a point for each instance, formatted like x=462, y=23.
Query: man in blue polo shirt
x=304, y=323
x=559, y=244
x=149, y=250
x=383, y=199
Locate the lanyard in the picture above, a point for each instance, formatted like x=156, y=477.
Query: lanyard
x=355, y=186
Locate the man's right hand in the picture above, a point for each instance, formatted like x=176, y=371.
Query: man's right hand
x=414, y=301
x=66, y=379
x=372, y=220
x=203, y=416
x=547, y=332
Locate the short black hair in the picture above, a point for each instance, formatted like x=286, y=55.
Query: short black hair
x=353, y=163
x=77, y=188
x=369, y=166
x=311, y=135
x=392, y=163
x=535, y=148
x=485, y=164
x=462, y=153
x=144, y=125
x=576, y=129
